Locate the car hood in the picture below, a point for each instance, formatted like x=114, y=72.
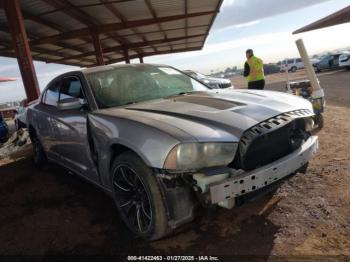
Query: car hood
x=220, y=115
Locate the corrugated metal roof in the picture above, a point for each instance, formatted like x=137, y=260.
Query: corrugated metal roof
x=340, y=17
x=60, y=30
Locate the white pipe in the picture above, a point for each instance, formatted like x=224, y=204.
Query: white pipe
x=317, y=89
x=287, y=76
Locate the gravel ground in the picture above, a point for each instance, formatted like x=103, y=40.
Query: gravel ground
x=51, y=212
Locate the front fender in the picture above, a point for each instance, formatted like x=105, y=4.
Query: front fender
x=149, y=143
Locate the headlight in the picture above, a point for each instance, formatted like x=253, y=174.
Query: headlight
x=344, y=58
x=214, y=85
x=194, y=156
x=309, y=124
x=318, y=104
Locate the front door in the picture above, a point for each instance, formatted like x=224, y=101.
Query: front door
x=71, y=129
x=44, y=128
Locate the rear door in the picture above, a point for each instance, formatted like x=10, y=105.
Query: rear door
x=291, y=63
x=336, y=61
x=324, y=63
x=299, y=63
x=71, y=129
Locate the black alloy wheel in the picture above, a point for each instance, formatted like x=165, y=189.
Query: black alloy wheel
x=132, y=198
x=138, y=197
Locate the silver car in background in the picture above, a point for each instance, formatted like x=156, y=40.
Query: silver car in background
x=163, y=145
x=213, y=82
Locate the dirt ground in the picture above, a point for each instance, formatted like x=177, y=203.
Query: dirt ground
x=51, y=212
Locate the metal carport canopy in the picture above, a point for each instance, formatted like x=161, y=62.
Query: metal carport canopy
x=95, y=32
x=340, y=17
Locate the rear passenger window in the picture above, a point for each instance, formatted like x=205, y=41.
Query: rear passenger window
x=291, y=61
x=51, y=95
x=299, y=60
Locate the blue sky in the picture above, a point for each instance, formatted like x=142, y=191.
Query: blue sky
x=265, y=26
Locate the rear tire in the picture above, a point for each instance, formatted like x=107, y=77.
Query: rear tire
x=39, y=156
x=138, y=197
x=293, y=69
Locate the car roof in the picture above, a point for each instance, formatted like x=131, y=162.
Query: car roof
x=113, y=66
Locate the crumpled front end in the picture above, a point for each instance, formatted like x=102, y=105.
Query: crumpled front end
x=268, y=153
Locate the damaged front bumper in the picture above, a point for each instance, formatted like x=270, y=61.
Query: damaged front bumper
x=224, y=192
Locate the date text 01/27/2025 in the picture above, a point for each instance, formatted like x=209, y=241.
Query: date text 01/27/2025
x=173, y=258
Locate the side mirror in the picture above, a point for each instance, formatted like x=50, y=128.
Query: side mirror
x=69, y=104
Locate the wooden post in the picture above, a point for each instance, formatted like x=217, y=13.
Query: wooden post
x=126, y=56
x=98, y=48
x=21, y=46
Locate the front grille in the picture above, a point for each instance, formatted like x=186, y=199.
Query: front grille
x=271, y=140
x=268, y=148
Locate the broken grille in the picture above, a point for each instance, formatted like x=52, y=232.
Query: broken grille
x=270, y=140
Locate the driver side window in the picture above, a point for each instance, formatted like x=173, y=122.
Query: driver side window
x=71, y=88
x=51, y=95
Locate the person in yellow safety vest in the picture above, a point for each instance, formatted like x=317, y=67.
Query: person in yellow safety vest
x=254, y=71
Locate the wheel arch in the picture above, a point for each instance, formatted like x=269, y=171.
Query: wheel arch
x=32, y=132
x=117, y=149
x=104, y=150
x=114, y=150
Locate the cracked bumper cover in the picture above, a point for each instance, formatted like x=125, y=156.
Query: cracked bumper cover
x=262, y=177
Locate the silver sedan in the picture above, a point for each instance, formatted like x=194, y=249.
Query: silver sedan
x=163, y=145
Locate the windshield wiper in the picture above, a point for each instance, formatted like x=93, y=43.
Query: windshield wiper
x=183, y=93
x=180, y=94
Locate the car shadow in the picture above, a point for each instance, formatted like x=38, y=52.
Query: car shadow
x=71, y=217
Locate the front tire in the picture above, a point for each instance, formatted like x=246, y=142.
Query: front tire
x=293, y=69
x=319, y=120
x=138, y=197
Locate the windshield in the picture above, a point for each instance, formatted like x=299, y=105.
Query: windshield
x=127, y=85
